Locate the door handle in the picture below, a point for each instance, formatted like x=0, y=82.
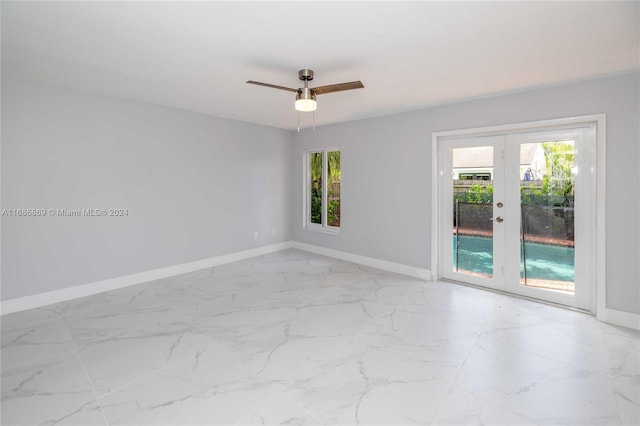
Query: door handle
x=498, y=219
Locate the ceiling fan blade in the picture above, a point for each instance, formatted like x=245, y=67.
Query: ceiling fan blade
x=331, y=88
x=273, y=86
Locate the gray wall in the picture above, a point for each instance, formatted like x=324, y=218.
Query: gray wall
x=386, y=181
x=198, y=186
x=195, y=186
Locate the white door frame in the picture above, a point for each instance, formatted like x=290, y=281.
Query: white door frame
x=598, y=300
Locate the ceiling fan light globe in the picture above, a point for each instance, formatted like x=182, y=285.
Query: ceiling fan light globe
x=306, y=105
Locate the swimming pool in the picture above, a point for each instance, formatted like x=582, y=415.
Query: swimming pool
x=544, y=261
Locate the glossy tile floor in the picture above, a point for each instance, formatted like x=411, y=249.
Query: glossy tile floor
x=296, y=338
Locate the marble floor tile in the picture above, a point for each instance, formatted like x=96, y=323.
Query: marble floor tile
x=296, y=338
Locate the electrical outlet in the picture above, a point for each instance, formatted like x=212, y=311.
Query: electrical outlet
x=255, y=235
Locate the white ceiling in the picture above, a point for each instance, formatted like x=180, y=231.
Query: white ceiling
x=409, y=55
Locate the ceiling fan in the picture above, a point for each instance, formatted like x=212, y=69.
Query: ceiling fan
x=306, y=96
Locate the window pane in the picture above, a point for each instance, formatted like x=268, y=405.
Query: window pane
x=547, y=245
x=473, y=210
x=315, y=165
x=333, y=188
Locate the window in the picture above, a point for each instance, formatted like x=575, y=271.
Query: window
x=322, y=193
x=475, y=176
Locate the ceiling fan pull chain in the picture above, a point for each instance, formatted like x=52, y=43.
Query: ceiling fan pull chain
x=314, y=120
x=298, y=121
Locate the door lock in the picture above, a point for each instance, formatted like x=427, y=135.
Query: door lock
x=500, y=204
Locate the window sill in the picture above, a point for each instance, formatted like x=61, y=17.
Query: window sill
x=330, y=231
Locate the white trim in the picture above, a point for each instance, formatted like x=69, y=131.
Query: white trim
x=529, y=126
x=601, y=235
x=599, y=301
x=43, y=299
x=622, y=318
x=331, y=230
x=398, y=268
x=305, y=188
x=435, y=206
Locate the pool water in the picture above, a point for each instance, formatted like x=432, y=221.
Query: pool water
x=544, y=261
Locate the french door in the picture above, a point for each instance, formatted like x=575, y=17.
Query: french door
x=517, y=213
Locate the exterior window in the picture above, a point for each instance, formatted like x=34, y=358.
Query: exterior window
x=475, y=176
x=323, y=190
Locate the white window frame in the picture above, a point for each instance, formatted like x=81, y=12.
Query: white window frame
x=306, y=214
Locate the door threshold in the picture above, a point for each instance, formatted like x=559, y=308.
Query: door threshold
x=518, y=296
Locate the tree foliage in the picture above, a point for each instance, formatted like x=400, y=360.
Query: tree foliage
x=557, y=183
x=333, y=175
x=478, y=194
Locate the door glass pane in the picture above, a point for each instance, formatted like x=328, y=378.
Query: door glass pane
x=472, y=210
x=333, y=188
x=315, y=165
x=547, y=173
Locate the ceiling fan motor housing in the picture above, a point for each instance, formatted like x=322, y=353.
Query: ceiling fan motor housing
x=305, y=93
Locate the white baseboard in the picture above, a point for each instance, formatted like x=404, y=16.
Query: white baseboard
x=608, y=315
x=65, y=294
x=423, y=274
x=622, y=318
